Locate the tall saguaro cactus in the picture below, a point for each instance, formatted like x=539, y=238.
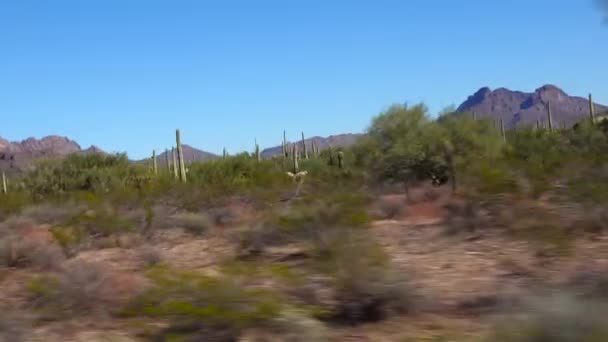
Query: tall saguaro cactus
x=549, y=116
x=294, y=158
x=330, y=151
x=341, y=159
x=285, y=152
x=295, y=173
x=174, y=155
x=180, y=156
x=154, y=164
x=4, y=187
x=224, y=153
x=258, y=155
x=591, y=109
x=167, y=161
x=304, y=149
x=502, y=130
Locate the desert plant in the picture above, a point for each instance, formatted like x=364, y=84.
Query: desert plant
x=304, y=148
x=556, y=318
x=154, y=163
x=366, y=286
x=175, y=165
x=180, y=157
x=195, y=223
x=76, y=289
x=149, y=255
x=340, y=159
x=4, y=186
x=200, y=305
x=258, y=155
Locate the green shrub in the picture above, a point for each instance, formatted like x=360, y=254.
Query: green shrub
x=199, y=305
x=306, y=220
x=366, y=286
x=13, y=203
x=557, y=318
x=92, y=172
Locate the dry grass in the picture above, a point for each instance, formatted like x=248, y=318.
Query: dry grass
x=77, y=289
x=557, y=318
x=195, y=223
x=150, y=255
x=30, y=251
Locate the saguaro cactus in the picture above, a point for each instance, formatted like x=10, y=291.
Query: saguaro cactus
x=538, y=126
x=304, y=149
x=448, y=150
x=591, y=109
x=295, y=172
x=167, y=161
x=224, y=153
x=154, y=164
x=341, y=159
x=4, y=187
x=330, y=151
x=549, y=116
x=174, y=155
x=258, y=155
x=180, y=156
x=294, y=158
x=285, y=152
x=502, y=129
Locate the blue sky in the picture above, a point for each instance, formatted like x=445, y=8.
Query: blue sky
x=123, y=74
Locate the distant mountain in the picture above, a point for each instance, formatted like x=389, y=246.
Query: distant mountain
x=50, y=145
x=337, y=141
x=520, y=108
x=191, y=154
x=16, y=156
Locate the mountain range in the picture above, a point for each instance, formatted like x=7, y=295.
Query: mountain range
x=516, y=108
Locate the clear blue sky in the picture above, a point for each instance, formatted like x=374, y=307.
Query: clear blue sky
x=123, y=74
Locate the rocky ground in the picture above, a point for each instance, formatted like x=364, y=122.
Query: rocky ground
x=466, y=280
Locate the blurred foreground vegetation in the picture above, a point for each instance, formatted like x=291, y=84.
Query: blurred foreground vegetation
x=548, y=187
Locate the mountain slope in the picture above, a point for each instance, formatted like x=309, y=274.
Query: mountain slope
x=15, y=156
x=520, y=108
x=340, y=140
x=191, y=154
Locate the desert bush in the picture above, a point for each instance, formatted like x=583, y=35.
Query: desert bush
x=150, y=255
x=464, y=215
x=366, y=286
x=559, y=318
x=48, y=213
x=16, y=253
x=401, y=146
x=93, y=172
x=13, y=202
x=195, y=223
x=199, y=305
x=90, y=222
x=298, y=326
x=76, y=289
x=304, y=221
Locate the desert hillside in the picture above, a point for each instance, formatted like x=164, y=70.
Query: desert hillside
x=420, y=230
